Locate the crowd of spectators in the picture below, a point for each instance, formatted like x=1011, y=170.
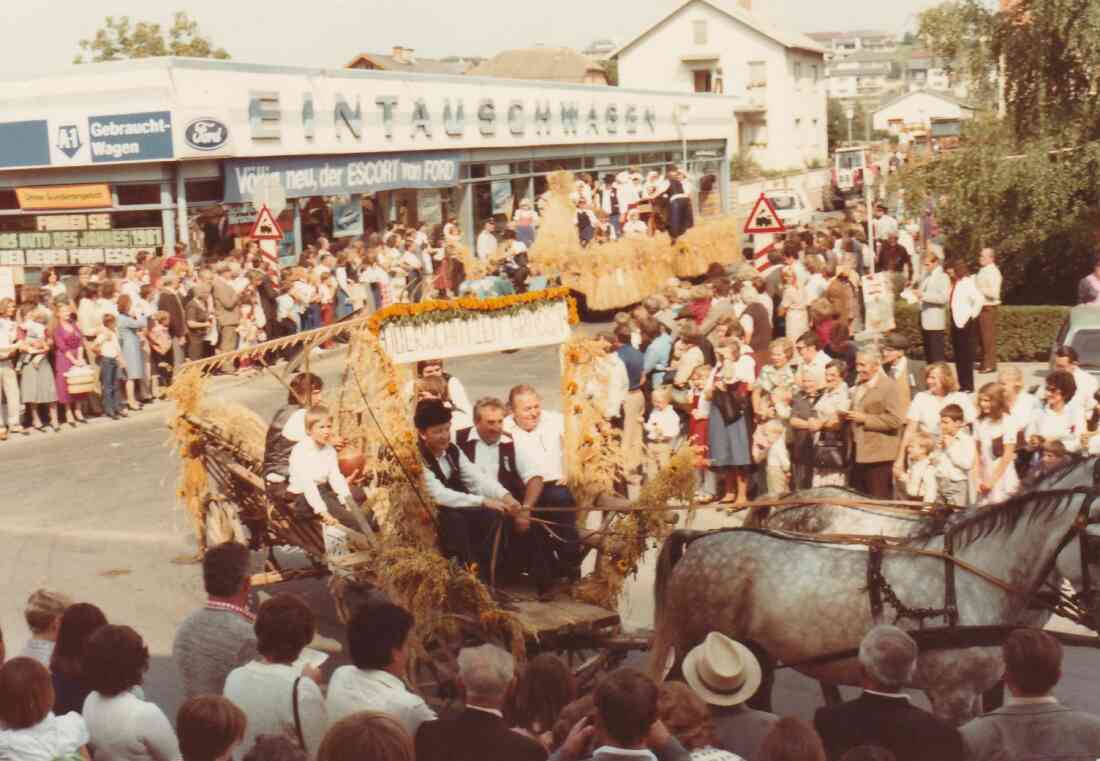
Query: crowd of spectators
x=768, y=373
x=75, y=693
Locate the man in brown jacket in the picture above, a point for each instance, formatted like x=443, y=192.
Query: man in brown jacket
x=227, y=311
x=876, y=418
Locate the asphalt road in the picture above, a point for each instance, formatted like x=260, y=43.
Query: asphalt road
x=92, y=512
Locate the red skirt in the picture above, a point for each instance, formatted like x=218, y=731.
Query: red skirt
x=697, y=432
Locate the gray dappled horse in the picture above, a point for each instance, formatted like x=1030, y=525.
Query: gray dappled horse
x=792, y=600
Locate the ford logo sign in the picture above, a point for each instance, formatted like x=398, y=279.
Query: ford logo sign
x=206, y=134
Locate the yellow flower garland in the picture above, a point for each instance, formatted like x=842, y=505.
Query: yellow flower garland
x=472, y=304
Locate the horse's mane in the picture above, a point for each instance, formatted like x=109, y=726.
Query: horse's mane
x=1006, y=515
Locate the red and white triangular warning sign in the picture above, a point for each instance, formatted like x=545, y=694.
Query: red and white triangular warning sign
x=266, y=226
x=764, y=218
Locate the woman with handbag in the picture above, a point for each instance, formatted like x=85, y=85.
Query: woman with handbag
x=831, y=450
x=277, y=697
x=71, y=372
x=729, y=424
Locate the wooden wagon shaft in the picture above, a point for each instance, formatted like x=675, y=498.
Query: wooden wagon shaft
x=616, y=504
x=317, y=335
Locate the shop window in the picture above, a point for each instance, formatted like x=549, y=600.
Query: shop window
x=136, y=195
x=8, y=200
x=204, y=191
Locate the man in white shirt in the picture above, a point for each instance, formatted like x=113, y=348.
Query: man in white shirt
x=966, y=305
x=989, y=283
x=884, y=225
x=471, y=504
x=378, y=643
x=1084, y=398
x=487, y=241
x=541, y=435
x=526, y=546
x=809, y=354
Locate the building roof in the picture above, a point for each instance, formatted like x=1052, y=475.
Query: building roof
x=944, y=96
x=550, y=64
x=416, y=65
x=787, y=38
x=853, y=35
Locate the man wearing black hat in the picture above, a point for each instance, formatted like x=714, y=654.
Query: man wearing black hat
x=471, y=505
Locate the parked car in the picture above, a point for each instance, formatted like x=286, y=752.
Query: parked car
x=849, y=165
x=791, y=207
x=1081, y=330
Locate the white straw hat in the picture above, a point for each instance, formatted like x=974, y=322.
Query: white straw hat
x=722, y=671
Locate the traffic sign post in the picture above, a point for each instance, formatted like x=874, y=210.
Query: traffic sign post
x=764, y=218
x=267, y=231
x=763, y=223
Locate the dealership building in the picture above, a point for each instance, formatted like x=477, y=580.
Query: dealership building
x=105, y=160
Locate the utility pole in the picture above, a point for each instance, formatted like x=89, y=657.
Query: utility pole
x=849, y=112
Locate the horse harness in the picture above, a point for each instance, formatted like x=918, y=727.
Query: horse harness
x=880, y=591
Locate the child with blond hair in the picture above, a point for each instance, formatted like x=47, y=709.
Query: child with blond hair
x=662, y=428
x=920, y=476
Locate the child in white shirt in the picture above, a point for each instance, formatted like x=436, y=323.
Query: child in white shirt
x=317, y=485
x=777, y=459
x=661, y=430
x=955, y=457
x=920, y=478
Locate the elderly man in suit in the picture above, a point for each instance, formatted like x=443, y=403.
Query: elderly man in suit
x=876, y=418
x=933, y=294
x=479, y=732
x=883, y=715
x=227, y=311
x=1032, y=724
x=626, y=727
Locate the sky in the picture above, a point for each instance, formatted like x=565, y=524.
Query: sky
x=43, y=35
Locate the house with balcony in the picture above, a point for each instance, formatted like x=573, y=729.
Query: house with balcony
x=776, y=74
x=840, y=45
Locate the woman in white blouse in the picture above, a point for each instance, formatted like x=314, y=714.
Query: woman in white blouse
x=827, y=425
x=270, y=688
x=924, y=410
x=122, y=725
x=1057, y=419
x=995, y=432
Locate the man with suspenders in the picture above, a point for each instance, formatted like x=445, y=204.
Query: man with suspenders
x=525, y=545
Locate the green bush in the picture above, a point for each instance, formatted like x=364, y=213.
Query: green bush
x=1024, y=333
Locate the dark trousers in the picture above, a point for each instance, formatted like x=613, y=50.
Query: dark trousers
x=108, y=379
x=530, y=552
x=466, y=534
x=987, y=329
x=564, y=534
x=962, y=341
x=934, y=346
x=876, y=479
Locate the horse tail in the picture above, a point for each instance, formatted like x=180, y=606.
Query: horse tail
x=671, y=552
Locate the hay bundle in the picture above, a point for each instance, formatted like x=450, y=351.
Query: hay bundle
x=714, y=240
x=635, y=532
x=593, y=458
x=556, y=245
x=623, y=272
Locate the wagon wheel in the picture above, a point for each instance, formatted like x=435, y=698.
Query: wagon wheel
x=434, y=668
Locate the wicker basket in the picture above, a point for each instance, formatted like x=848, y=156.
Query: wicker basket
x=80, y=380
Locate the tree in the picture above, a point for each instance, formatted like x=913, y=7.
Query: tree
x=119, y=39
x=1026, y=184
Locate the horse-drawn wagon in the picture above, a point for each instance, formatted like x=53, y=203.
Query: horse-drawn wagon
x=395, y=551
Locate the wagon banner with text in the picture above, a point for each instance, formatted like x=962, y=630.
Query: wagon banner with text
x=468, y=326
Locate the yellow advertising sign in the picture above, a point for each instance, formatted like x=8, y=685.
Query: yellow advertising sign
x=64, y=197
